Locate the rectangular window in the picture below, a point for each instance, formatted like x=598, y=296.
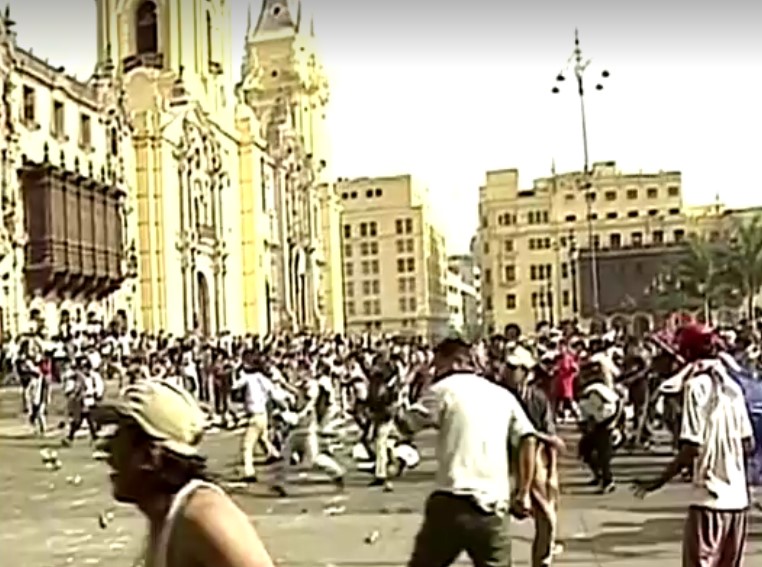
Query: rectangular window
x=376, y=287
x=365, y=267
x=374, y=248
x=347, y=250
x=363, y=246
x=565, y=298
x=363, y=229
x=366, y=307
x=410, y=247
x=533, y=273
x=400, y=265
x=366, y=288
x=398, y=226
x=652, y=193
x=610, y=195
x=510, y=273
x=508, y=245
x=403, y=304
x=347, y=231
x=410, y=265
x=615, y=240
x=411, y=305
x=564, y=270
x=85, y=132
x=632, y=194
x=673, y=191
x=411, y=284
x=351, y=308
x=57, y=125
x=535, y=297
x=30, y=106
x=658, y=237
x=637, y=239
x=402, y=287
x=510, y=301
x=376, y=307
x=349, y=289
x=409, y=226
x=349, y=269
x=374, y=267
x=400, y=246
x=373, y=229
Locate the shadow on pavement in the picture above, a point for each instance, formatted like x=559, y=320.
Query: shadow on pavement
x=625, y=540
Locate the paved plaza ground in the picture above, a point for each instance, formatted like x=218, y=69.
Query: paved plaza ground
x=47, y=519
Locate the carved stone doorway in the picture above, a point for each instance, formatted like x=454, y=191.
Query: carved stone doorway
x=204, y=310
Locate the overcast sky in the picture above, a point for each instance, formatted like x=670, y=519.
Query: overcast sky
x=447, y=90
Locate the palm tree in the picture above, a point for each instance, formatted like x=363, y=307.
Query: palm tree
x=744, y=260
x=697, y=281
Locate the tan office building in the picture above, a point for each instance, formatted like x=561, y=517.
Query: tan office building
x=528, y=239
x=395, y=264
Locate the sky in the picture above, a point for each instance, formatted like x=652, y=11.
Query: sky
x=447, y=90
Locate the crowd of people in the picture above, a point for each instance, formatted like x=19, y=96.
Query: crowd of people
x=292, y=398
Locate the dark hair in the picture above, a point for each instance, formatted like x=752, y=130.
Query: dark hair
x=452, y=347
x=178, y=470
x=174, y=470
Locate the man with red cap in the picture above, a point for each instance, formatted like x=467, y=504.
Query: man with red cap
x=715, y=437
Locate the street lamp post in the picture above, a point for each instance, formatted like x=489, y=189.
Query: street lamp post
x=580, y=65
x=573, y=271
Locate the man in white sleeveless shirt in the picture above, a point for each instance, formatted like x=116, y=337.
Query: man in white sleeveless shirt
x=157, y=466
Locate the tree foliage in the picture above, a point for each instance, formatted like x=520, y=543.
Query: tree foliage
x=715, y=273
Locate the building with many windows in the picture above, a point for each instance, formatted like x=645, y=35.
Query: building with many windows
x=395, y=265
x=642, y=273
x=162, y=192
x=464, y=295
x=68, y=222
x=462, y=302
x=529, y=239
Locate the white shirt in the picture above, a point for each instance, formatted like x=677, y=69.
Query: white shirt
x=716, y=419
x=258, y=391
x=599, y=402
x=477, y=422
x=609, y=369
x=93, y=390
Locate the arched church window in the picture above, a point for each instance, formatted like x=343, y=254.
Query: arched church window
x=146, y=28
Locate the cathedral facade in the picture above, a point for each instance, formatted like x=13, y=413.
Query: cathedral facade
x=218, y=186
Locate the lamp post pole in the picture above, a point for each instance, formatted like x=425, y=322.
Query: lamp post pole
x=580, y=66
x=573, y=254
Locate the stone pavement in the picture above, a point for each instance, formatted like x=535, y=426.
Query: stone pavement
x=49, y=519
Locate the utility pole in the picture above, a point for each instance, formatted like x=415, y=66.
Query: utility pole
x=578, y=65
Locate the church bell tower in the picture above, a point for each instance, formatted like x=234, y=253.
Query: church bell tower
x=186, y=38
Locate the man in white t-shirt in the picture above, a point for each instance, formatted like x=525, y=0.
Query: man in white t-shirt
x=715, y=437
x=483, y=436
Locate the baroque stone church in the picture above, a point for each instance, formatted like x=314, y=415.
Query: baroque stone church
x=168, y=194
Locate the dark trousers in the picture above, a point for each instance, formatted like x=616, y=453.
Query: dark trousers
x=596, y=451
x=453, y=524
x=76, y=422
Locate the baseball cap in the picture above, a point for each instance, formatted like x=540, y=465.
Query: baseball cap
x=167, y=413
